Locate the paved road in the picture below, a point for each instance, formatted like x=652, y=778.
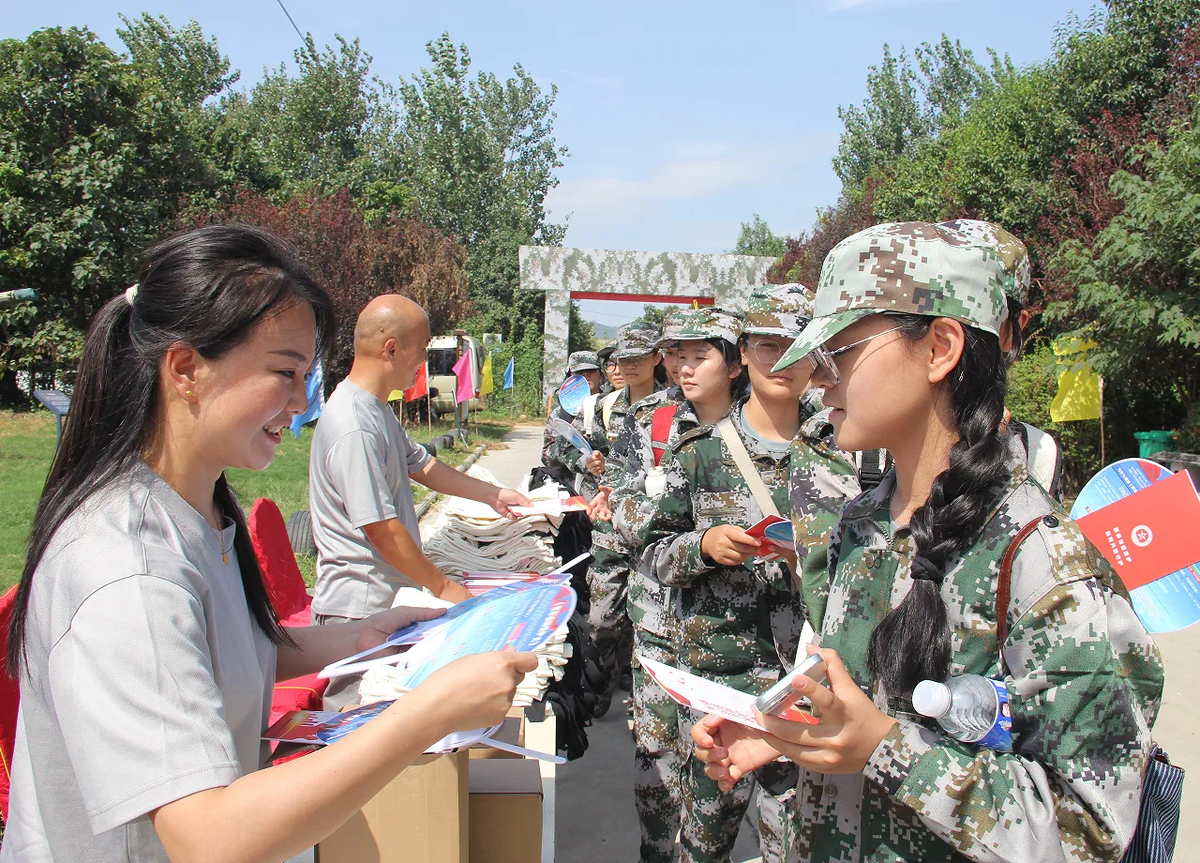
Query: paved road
x=595, y=818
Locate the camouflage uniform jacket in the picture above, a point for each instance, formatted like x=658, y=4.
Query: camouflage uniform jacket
x=733, y=619
x=600, y=437
x=553, y=449
x=823, y=480
x=631, y=458
x=1085, y=681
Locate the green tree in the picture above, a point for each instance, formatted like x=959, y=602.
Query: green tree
x=757, y=238
x=187, y=66
x=330, y=126
x=480, y=156
x=92, y=167
x=581, y=335
x=1136, y=285
x=907, y=106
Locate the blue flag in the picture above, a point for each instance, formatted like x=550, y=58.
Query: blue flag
x=316, y=400
x=508, y=374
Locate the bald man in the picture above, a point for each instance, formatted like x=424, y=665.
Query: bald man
x=364, y=523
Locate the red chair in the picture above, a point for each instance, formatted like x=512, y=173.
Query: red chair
x=10, y=699
x=289, y=597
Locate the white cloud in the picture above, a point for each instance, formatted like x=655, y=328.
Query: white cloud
x=696, y=170
x=693, y=196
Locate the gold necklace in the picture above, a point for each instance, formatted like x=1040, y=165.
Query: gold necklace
x=221, y=541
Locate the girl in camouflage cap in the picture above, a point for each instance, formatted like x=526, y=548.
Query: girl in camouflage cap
x=913, y=311
x=739, y=620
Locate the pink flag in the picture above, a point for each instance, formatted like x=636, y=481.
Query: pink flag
x=466, y=383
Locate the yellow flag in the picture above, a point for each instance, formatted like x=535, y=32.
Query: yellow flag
x=485, y=384
x=1078, y=385
x=395, y=395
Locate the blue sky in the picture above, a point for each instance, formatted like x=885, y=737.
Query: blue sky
x=682, y=118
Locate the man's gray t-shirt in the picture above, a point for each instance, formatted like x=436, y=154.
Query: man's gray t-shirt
x=358, y=474
x=147, y=678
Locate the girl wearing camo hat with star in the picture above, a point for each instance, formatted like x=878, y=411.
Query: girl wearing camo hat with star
x=905, y=343
x=739, y=620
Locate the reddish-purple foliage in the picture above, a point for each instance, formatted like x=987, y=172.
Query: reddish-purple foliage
x=804, y=254
x=356, y=261
x=1083, y=205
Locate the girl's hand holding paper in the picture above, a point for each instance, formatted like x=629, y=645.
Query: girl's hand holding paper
x=850, y=729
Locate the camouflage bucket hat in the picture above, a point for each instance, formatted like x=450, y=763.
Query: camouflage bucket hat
x=672, y=323
x=778, y=310
x=636, y=339
x=581, y=361
x=711, y=322
x=911, y=267
x=1011, y=250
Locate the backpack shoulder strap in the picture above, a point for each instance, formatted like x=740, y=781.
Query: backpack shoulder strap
x=1004, y=586
x=589, y=412
x=606, y=408
x=660, y=430
x=750, y=473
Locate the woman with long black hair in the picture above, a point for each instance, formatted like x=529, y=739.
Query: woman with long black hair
x=905, y=342
x=143, y=636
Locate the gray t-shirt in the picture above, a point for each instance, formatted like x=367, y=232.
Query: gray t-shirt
x=147, y=678
x=358, y=473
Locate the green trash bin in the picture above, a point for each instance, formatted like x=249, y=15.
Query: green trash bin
x=1150, y=442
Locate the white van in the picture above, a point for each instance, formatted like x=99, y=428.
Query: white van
x=441, y=371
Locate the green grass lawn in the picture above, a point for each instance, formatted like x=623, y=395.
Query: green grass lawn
x=27, y=446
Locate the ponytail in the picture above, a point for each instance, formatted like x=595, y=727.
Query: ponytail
x=206, y=288
x=1018, y=335
x=912, y=643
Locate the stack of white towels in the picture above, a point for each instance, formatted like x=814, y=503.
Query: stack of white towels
x=468, y=536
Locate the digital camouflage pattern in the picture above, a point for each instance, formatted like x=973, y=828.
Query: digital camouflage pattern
x=672, y=321
x=913, y=267
x=661, y=742
x=581, y=361
x=711, y=322
x=559, y=270
x=1012, y=253
x=738, y=625
x=778, y=310
x=823, y=480
x=608, y=573
x=1084, y=678
x=636, y=339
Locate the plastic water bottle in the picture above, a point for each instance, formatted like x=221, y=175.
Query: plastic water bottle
x=969, y=708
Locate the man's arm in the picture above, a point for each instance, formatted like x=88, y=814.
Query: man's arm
x=445, y=479
x=395, y=545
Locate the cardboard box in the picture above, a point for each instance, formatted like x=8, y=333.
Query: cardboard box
x=512, y=731
x=506, y=811
x=422, y=814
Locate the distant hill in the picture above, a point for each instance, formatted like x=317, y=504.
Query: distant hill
x=604, y=332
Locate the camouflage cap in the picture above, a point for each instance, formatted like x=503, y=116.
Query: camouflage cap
x=1011, y=250
x=636, y=339
x=606, y=352
x=778, y=310
x=913, y=267
x=581, y=361
x=711, y=322
x=672, y=323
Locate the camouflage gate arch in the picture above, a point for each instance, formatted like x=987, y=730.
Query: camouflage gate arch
x=564, y=273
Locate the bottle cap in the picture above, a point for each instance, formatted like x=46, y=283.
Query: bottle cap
x=931, y=698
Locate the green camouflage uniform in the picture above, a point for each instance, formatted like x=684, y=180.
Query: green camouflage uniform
x=661, y=732
x=739, y=625
x=608, y=573
x=556, y=451
x=1085, y=682
x=1084, y=678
